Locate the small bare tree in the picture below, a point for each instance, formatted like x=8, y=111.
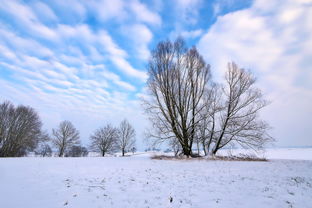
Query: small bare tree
x=104, y=139
x=20, y=130
x=65, y=136
x=239, y=121
x=126, y=139
x=178, y=77
x=175, y=146
x=77, y=151
x=44, y=150
x=133, y=150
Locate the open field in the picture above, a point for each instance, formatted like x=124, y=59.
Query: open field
x=138, y=181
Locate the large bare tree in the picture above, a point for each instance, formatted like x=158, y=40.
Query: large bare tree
x=239, y=120
x=20, y=130
x=208, y=126
x=65, y=136
x=178, y=77
x=104, y=139
x=126, y=138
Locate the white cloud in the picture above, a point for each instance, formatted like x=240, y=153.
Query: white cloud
x=26, y=18
x=143, y=14
x=188, y=10
x=113, y=77
x=71, y=10
x=112, y=48
x=270, y=38
x=123, y=11
x=106, y=10
x=44, y=12
x=23, y=44
x=140, y=39
x=117, y=56
x=128, y=69
x=70, y=70
x=192, y=33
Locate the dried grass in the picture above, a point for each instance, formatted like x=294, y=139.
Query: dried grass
x=240, y=157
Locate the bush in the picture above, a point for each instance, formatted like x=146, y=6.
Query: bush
x=77, y=151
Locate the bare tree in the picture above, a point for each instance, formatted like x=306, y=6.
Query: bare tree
x=44, y=150
x=133, y=150
x=175, y=146
x=239, y=121
x=20, y=130
x=208, y=126
x=126, y=139
x=77, y=151
x=177, y=82
x=65, y=136
x=104, y=139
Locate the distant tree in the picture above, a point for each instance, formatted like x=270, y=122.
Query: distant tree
x=175, y=146
x=104, y=139
x=167, y=150
x=20, y=130
x=133, y=150
x=77, y=151
x=65, y=136
x=126, y=138
x=44, y=150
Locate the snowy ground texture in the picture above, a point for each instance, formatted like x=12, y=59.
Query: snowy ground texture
x=138, y=181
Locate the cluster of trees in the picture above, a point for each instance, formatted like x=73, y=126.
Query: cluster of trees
x=111, y=139
x=186, y=107
x=21, y=132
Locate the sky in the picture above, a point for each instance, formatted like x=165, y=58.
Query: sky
x=85, y=61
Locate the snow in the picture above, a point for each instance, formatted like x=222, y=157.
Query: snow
x=138, y=181
x=274, y=153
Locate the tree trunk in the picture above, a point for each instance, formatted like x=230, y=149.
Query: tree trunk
x=61, y=152
x=123, y=152
x=197, y=143
x=204, y=148
x=187, y=150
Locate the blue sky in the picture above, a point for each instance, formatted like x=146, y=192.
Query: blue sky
x=85, y=61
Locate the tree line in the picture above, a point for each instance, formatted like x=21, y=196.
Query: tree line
x=187, y=108
x=21, y=132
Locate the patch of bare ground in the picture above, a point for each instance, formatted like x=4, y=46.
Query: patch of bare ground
x=240, y=157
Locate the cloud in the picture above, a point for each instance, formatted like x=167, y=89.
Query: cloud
x=71, y=11
x=143, y=14
x=82, y=33
x=106, y=10
x=123, y=11
x=140, y=39
x=25, y=45
x=44, y=12
x=188, y=10
x=27, y=19
x=127, y=68
x=192, y=33
x=273, y=39
x=117, y=56
x=62, y=59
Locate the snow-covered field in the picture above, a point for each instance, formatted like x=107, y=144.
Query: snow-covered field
x=138, y=181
